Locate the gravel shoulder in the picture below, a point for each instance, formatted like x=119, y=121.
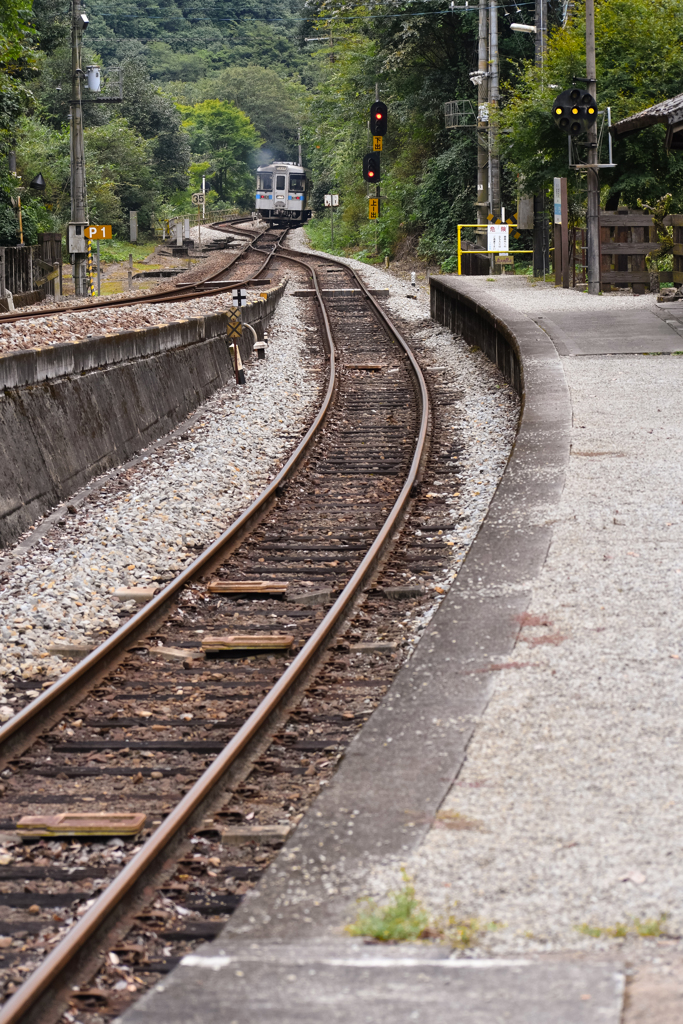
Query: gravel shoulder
x=563, y=831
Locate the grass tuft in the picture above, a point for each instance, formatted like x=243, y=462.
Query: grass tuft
x=402, y=919
x=651, y=927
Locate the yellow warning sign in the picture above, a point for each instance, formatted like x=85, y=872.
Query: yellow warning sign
x=234, y=324
x=377, y=143
x=373, y=209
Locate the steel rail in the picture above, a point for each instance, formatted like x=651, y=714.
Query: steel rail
x=115, y=303
x=36, y=987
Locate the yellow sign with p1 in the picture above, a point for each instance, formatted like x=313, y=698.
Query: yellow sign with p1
x=98, y=231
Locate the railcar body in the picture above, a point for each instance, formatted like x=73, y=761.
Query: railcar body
x=282, y=190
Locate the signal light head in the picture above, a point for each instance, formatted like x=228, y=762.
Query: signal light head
x=574, y=111
x=378, y=118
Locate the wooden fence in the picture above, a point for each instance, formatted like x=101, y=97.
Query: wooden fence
x=676, y=219
x=626, y=237
x=23, y=268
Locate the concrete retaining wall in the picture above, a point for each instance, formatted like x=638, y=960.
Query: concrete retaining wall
x=72, y=411
x=479, y=325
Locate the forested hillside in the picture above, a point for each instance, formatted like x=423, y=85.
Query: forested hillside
x=212, y=89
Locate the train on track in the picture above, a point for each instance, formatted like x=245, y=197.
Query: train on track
x=282, y=191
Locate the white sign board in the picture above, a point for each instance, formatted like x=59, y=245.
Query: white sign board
x=335, y=200
x=239, y=297
x=198, y=198
x=557, y=199
x=328, y=200
x=499, y=237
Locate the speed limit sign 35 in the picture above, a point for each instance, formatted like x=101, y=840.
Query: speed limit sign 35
x=198, y=198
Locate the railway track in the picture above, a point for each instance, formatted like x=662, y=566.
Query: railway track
x=147, y=722
x=250, y=260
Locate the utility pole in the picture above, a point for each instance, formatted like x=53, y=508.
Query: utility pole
x=483, y=121
x=298, y=132
x=494, y=100
x=541, y=251
x=593, y=184
x=79, y=201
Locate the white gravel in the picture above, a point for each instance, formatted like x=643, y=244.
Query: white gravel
x=565, y=826
x=411, y=309
x=77, y=325
x=183, y=496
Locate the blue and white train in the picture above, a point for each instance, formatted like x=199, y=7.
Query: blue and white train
x=281, y=193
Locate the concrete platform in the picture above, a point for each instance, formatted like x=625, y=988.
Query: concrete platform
x=341, y=983
x=540, y=708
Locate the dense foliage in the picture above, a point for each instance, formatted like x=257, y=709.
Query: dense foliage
x=210, y=91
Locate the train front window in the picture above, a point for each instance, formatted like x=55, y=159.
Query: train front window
x=280, y=182
x=265, y=181
x=297, y=183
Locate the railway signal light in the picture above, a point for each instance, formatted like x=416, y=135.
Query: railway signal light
x=378, y=118
x=574, y=111
x=371, y=168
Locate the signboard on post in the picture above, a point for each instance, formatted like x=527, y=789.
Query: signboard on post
x=377, y=143
x=239, y=297
x=373, y=208
x=498, y=237
x=561, y=232
x=198, y=198
x=557, y=200
x=97, y=232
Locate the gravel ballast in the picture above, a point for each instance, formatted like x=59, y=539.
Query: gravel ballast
x=564, y=829
x=60, y=590
x=148, y=526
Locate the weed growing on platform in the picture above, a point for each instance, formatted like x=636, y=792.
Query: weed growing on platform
x=651, y=927
x=402, y=919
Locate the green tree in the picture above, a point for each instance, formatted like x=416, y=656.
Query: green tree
x=639, y=56
x=223, y=134
x=18, y=65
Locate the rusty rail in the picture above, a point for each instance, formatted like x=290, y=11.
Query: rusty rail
x=44, y=984
x=165, y=295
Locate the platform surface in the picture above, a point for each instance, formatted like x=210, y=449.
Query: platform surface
x=344, y=982
x=526, y=764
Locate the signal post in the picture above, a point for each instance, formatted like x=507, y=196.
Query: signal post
x=372, y=167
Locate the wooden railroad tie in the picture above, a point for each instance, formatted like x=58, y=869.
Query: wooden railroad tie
x=269, y=588
x=256, y=643
x=97, y=823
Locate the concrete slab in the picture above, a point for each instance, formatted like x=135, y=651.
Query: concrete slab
x=618, y=332
x=348, y=983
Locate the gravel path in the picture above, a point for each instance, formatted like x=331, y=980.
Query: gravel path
x=532, y=297
x=564, y=829
x=146, y=525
